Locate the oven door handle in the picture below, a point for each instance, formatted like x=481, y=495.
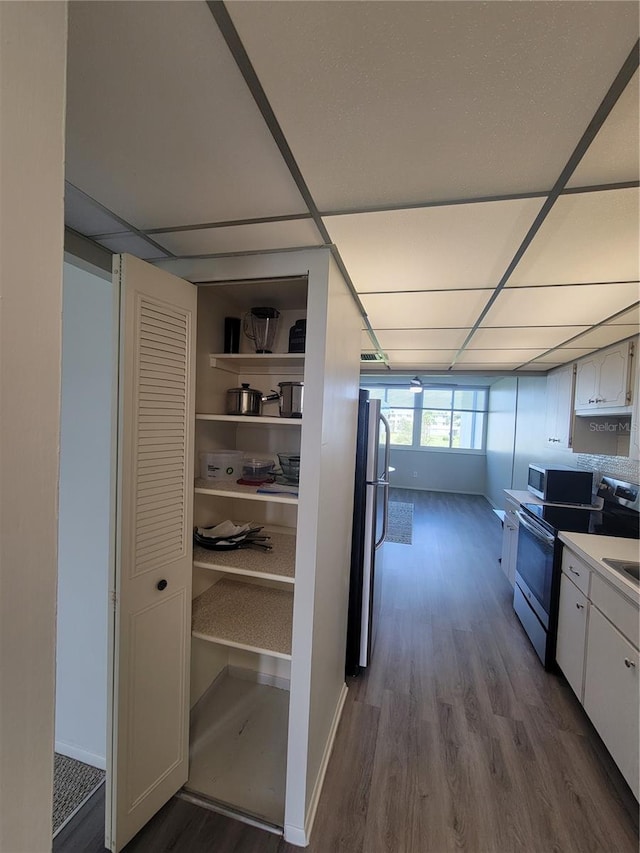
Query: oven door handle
x=534, y=529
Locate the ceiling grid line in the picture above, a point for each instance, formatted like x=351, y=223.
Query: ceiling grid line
x=242, y=60
x=577, y=337
x=130, y=229
x=352, y=128
x=294, y=217
x=629, y=67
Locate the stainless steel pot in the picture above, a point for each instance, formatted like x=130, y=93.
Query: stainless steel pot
x=247, y=401
x=291, y=394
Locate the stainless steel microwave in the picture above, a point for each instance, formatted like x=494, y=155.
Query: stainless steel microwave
x=560, y=485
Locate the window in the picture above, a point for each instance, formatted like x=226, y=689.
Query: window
x=442, y=418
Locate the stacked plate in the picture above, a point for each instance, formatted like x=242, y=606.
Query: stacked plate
x=228, y=536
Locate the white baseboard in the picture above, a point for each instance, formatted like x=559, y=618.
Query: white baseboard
x=295, y=834
x=423, y=489
x=73, y=751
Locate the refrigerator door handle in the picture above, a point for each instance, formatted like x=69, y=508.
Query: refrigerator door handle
x=387, y=446
x=385, y=516
x=384, y=483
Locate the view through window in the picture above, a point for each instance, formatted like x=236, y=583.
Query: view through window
x=437, y=417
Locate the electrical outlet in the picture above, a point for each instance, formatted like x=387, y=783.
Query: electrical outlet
x=414, y=474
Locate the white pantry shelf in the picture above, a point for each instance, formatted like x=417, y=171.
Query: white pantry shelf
x=277, y=565
x=248, y=420
x=267, y=362
x=231, y=489
x=245, y=616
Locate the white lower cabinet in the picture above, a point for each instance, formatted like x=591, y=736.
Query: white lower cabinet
x=611, y=693
x=596, y=650
x=510, y=528
x=572, y=634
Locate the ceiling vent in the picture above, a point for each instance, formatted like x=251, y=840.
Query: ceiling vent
x=371, y=356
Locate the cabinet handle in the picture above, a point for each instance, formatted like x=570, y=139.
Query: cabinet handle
x=573, y=571
x=629, y=663
x=580, y=606
x=162, y=585
x=592, y=400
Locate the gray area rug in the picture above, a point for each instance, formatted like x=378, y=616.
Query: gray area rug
x=400, y=526
x=73, y=782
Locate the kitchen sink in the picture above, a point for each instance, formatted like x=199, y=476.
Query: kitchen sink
x=625, y=567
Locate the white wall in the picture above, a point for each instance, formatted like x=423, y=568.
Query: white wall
x=32, y=94
x=333, y=560
x=83, y=533
x=438, y=471
x=516, y=436
x=501, y=427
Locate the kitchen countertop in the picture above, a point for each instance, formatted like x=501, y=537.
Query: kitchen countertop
x=592, y=548
x=522, y=496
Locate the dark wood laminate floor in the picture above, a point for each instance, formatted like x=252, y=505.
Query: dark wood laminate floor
x=456, y=739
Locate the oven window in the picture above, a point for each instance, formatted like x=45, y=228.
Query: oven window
x=535, y=565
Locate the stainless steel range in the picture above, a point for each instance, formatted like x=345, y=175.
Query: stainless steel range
x=537, y=587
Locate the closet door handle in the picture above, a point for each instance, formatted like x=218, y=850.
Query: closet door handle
x=580, y=606
x=162, y=584
x=629, y=663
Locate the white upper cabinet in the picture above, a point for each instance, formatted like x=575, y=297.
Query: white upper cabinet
x=603, y=380
x=559, y=407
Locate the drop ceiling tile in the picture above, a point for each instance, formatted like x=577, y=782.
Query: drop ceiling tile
x=161, y=127
x=423, y=357
x=436, y=100
x=132, y=244
x=242, y=238
x=85, y=216
x=523, y=337
x=605, y=335
x=445, y=309
x=420, y=249
x=631, y=317
x=588, y=237
x=463, y=368
x=583, y=304
x=613, y=154
x=539, y=366
x=398, y=339
x=497, y=356
x=565, y=354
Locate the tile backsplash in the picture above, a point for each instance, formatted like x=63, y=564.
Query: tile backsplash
x=620, y=467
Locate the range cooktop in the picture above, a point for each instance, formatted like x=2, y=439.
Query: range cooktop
x=618, y=516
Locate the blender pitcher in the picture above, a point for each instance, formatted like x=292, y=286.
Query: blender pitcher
x=260, y=326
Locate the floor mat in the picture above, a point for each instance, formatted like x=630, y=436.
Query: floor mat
x=400, y=523
x=73, y=782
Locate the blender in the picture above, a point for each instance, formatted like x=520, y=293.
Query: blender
x=260, y=326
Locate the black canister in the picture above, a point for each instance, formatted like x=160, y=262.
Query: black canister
x=297, y=336
x=231, y=334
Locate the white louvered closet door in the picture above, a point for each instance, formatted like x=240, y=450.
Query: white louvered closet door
x=150, y=648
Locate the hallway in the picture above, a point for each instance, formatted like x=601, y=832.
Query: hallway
x=454, y=740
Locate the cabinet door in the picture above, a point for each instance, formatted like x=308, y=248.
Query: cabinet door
x=586, y=383
x=612, y=384
x=559, y=407
x=509, y=548
x=572, y=633
x=148, y=744
x=611, y=693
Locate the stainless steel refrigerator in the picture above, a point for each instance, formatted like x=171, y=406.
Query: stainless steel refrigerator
x=371, y=502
